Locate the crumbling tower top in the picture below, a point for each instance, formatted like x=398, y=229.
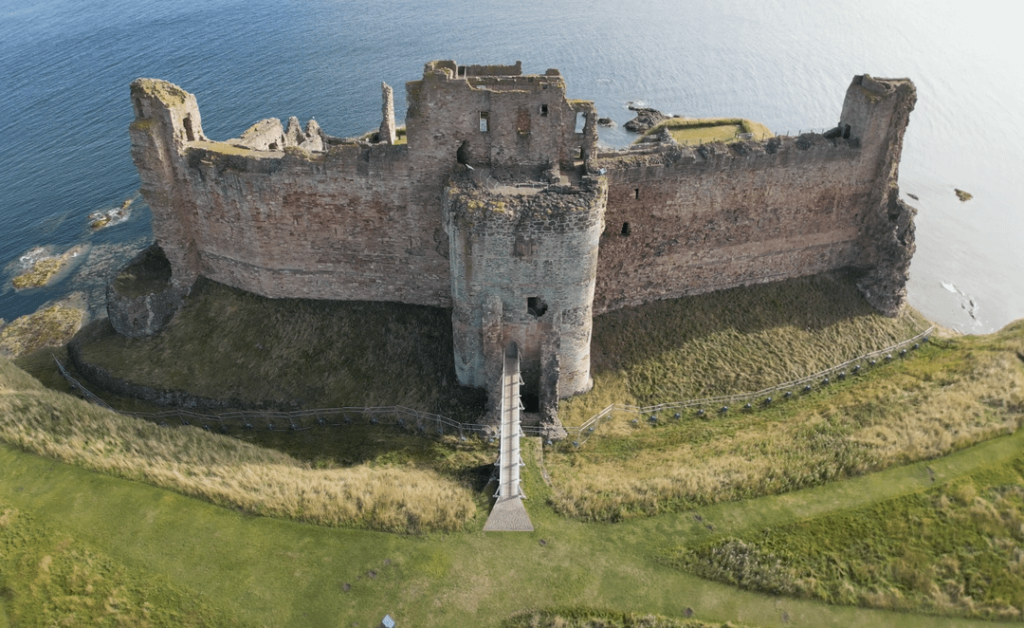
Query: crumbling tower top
x=497, y=118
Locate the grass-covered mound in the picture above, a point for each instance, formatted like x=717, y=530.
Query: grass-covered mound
x=945, y=396
x=957, y=549
x=733, y=341
x=229, y=344
x=225, y=470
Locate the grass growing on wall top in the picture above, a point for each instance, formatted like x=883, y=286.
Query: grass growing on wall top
x=691, y=131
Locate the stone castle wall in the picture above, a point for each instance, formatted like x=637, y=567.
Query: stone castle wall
x=351, y=223
x=737, y=216
x=684, y=220
x=499, y=205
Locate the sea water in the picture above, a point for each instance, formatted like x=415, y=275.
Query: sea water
x=65, y=67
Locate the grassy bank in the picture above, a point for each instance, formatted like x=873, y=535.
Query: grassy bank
x=956, y=549
x=948, y=395
x=733, y=341
x=230, y=472
x=228, y=344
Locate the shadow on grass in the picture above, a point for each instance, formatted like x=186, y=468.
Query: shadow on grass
x=227, y=344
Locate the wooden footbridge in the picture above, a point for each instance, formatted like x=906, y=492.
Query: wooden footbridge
x=508, y=513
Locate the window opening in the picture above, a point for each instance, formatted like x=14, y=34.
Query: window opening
x=536, y=307
x=138, y=108
x=485, y=121
x=581, y=121
x=543, y=110
x=625, y=229
x=636, y=193
x=462, y=70
x=462, y=154
x=188, y=129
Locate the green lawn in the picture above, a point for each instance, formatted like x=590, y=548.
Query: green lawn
x=149, y=553
x=273, y=572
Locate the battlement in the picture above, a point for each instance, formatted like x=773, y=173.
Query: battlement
x=495, y=201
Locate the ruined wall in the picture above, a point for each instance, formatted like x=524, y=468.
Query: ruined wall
x=463, y=215
x=523, y=270
x=499, y=122
x=686, y=220
x=350, y=223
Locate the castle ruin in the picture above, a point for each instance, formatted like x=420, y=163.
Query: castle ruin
x=496, y=201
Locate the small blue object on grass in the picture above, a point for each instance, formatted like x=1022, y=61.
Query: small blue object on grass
x=387, y=622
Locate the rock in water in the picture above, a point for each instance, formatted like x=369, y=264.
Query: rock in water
x=645, y=119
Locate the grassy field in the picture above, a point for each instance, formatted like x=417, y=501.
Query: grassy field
x=50, y=579
x=693, y=131
x=271, y=572
x=231, y=472
x=956, y=549
x=695, y=480
x=946, y=396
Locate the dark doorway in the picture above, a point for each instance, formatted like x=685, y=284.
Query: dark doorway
x=531, y=402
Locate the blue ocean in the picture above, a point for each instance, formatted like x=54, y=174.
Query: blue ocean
x=65, y=67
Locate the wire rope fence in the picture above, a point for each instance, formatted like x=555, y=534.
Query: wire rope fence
x=426, y=423
x=765, y=397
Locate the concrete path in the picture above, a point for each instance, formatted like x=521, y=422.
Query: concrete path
x=508, y=514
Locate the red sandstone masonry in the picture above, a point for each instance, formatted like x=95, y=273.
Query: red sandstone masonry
x=371, y=220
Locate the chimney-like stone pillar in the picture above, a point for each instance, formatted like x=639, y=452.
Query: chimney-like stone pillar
x=387, y=108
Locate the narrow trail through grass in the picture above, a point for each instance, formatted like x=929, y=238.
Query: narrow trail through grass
x=274, y=572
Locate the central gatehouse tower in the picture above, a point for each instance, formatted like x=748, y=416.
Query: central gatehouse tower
x=523, y=221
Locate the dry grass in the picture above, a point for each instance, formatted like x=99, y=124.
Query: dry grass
x=592, y=618
x=224, y=470
x=935, y=402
